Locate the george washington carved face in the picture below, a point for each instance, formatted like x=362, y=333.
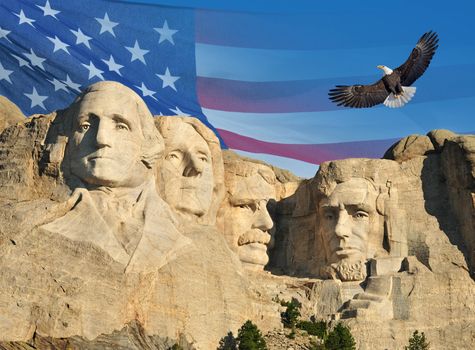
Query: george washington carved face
x=107, y=142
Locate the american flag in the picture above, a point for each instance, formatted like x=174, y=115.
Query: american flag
x=258, y=75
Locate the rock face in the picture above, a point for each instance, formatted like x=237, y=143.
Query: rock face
x=10, y=114
x=118, y=230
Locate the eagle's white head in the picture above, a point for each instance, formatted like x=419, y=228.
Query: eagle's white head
x=386, y=70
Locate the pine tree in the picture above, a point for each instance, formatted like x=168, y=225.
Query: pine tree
x=291, y=314
x=250, y=337
x=417, y=342
x=340, y=338
x=228, y=342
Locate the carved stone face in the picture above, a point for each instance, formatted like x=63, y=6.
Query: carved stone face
x=187, y=171
x=349, y=222
x=106, y=145
x=247, y=220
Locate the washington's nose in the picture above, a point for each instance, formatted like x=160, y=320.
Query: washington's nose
x=342, y=228
x=103, y=135
x=262, y=219
x=193, y=167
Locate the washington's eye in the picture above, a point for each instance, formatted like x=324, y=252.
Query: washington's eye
x=328, y=216
x=122, y=126
x=204, y=159
x=84, y=126
x=360, y=214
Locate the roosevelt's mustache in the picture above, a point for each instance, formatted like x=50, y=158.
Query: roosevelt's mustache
x=254, y=236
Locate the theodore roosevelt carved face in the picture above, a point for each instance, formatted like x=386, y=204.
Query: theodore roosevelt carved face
x=246, y=219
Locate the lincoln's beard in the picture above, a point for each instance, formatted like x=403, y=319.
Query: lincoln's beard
x=346, y=270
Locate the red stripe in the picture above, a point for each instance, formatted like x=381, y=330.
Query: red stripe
x=265, y=97
x=315, y=154
x=312, y=95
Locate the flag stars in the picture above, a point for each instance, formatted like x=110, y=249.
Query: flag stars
x=81, y=38
x=5, y=73
x=107, y=25
x=72, y=85
x=58, y=85
x=23, y=19
x=22, y=62
x=48, y=11
x=93, y=71
x=178, y=111
x=36, y=99
x=137, y=53
x=146, y=92
x=166, y=34
x=35, y=60
x=58, y=44
x=168, y=79
x=4, y=33
x=113, y=66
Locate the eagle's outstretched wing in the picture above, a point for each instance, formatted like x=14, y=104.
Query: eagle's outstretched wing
x=359, y=96
x=419, y=59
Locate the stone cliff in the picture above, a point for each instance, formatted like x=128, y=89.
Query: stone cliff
x=120, y=230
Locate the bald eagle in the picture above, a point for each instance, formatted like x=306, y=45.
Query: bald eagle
x=393, y=89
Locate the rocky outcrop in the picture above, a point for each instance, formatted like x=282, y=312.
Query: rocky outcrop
x=139, y=237
x=10, y=114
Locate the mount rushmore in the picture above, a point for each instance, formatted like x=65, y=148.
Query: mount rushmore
x=114, y=219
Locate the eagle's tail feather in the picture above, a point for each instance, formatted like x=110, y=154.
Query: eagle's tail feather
x=396, y=102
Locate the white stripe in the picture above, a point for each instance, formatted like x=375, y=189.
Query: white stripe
x=299, y=168
x=349, y=124
x=263, y=65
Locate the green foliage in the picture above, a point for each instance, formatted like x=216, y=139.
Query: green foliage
x=228, y=342
x=319, y=329
x=176, y=347
x=250, y=337
x=340, y=338
x=417, y=342
x=291, y=314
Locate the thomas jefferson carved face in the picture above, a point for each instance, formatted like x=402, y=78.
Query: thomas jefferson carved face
x=247, y=221
x=105, y=148
x=187, y=170
x=349, y=222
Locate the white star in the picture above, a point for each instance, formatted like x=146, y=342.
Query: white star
x=179, y=112
x=93, y=71
x=5, y=73
x=166, y=33
x=81, y=38
x=47, y=10
x=24, y=19
x=168, y=79
x=106, y=24
x=58, y=44
x=36, y=99
x=71, y=84
x=4, y=33
x=146, y=92
x=22, y=62
x=58, y=85
x=113, y=66
x=137, y=53
x=35, y=60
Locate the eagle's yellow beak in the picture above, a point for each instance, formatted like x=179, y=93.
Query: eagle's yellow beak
x=380, y=67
